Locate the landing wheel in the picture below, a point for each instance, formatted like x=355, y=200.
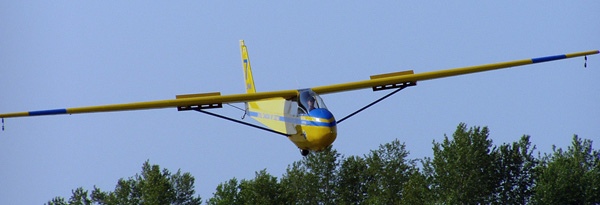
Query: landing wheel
x=304, y=152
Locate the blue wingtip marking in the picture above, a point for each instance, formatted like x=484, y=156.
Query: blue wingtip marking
x=48, y=112
x=548, y=58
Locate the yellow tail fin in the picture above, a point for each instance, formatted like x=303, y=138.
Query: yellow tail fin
x=247, y=71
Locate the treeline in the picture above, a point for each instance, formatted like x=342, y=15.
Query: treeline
x=465, y=169
x=152, y=186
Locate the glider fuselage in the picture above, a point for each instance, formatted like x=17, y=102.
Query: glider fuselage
x=305, y=119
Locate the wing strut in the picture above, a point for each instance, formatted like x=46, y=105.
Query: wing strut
x=402, y=86
x=239, y=121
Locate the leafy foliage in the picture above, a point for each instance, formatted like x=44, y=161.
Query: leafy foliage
x=152, y=186
x=465, y=169
x=514, y=167
x=327, y=178
x=388, y=172
x=569, y=177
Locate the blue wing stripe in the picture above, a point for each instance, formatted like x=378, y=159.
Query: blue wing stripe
x=48, y=112
x=548, y=58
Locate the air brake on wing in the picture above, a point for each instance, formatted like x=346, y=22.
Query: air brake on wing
x=199, y=106
x=395, y=85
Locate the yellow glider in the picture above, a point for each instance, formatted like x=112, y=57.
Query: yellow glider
x=301, y=115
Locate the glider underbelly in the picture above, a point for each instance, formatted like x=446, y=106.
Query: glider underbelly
x=319, y=137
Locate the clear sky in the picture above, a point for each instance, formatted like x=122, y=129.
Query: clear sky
x=56, y=54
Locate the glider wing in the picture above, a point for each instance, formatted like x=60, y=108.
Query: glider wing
x=188, y=101
x=398, y=78
x=198, y=101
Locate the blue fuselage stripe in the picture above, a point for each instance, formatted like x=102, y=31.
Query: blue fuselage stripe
x=296, y=120
x=548, y=58
x=48, y=112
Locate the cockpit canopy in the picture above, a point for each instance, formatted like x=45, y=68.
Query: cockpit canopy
x=309, y=100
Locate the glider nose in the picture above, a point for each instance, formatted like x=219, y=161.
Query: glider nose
x=326, y=138
x=325, y=132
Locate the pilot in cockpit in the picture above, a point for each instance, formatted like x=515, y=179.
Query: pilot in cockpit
x=311, y=103
x=308, y=101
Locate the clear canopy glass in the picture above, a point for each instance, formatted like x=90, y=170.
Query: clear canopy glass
x=309, y=100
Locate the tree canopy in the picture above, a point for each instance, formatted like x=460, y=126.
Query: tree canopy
x=152, y=186
x=466, y=168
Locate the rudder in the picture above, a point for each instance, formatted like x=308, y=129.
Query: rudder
x=247, y=71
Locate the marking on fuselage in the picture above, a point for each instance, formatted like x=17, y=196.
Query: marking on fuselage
x=246, y=68
x=295, y=120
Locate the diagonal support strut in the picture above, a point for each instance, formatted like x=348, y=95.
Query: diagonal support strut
x=239, y=121
x=375, y=102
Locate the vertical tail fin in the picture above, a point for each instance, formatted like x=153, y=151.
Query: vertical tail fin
x=247, y=71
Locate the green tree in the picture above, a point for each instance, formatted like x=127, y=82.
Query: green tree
x=463, y=168
x=152, y=186
x=320, y=178
x=418, y=189
x=569, y=177
x=296, y=186
x=227, y=193
x=466, y=169
x=80, y=197
x=352, y=178
x=388, y=172
x=57, y=201
x=514, y=165
x=313, y=179
x=263, y=189
x=322, y=168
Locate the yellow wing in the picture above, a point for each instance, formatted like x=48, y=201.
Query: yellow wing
x=189, y=101
x=207, y=100
x=392, y=79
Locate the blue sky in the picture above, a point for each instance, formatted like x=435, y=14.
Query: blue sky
x=71, y=54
